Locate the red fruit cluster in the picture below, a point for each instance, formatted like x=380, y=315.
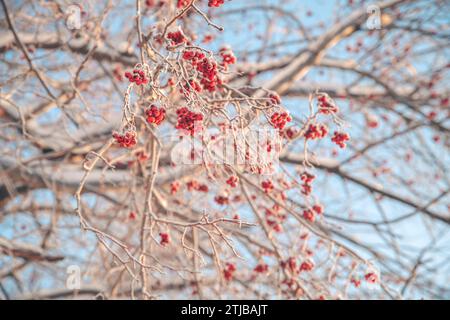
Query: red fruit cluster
x=229, y=270
x=307, y=179
x=227, y=57
x=371, y=277
x=194, y=185
x=182, y=3
x=275, y=98
x=206, y=67
x=307, y=266
x=308, y=214
x=174, y=187
x=187, y=120
x=127, y=140
x=340, y=138
x=194, y=85
x=261, y=268
x=279, y=119
x=291, y=264
x=318, y=208
x=355, y=282
x=326, y=105
x=132, y=215
x=210, y=78
x=222, y=200
x=316, y=131
x=138, y=77
x=289, y=133
x=193, y=56
x=274, y=219
x=232, y=181
x=267, y=185
x=165, y=239
x=176, y=37
x=215, y=3
x=155, y=115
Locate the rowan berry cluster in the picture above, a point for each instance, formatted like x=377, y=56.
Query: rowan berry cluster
x=275, y=98
x=176, y=37
x=326, y=105
x=340, y=138
x=193, y=56
x=274, y=219
x=316, y=131
x=165, y=239
x=232, y=181
x=371, y=277
x=261, y=268
x=210, y=78
x=155, y=115
x=188, y=120
x=307, y=179
x=267, y=185
x=227, y=57
x=174, y=187
x=194, y=85
x=310, y=214
x=138, y=77
x=194, y=185
x=127, y=140
x=307, y=265
x=279, y=119
x=215, y=3
x=289, y=133
x=182, y=3
x=222, y=200
x=228, y=272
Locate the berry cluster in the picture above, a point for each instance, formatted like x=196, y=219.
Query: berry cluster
x=193, y=56
x=132, y=215
x=127, y=140
x=316, y=131
x=182, y=3
x=261, y=268
x=290, y=264
x=222, y=200
x=279, y=119
x=308, y=214
x=289, y=133
x=307, y=265
x=155, y=115
x=371, y=277
x=176, y=37
x=275, y=98
x=174, y=187
x=340, y=138
x=267, y=185
x=206, y=67
x=229, y=271
x=210, y=78
x=215, y=3
x=194, y=185
x=274, y=219
x=188, y=120
x=138, y=77
x=227, y=57
x=194, y=85
x=165, y=239
x=232, y=181
x=326, y=105
x=307, y=179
